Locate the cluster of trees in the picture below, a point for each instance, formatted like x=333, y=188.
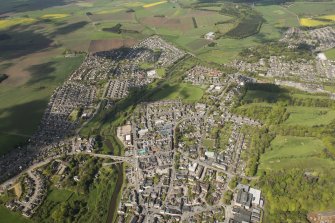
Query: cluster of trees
x=248, y=26
x=79, y=207
x=210, y=199
x=248, y=20
x=254, y=54
x=195, y=25
x=114, y=29
x=260, y=140
x=69, y=211
x=3, y=77
x=290, y=194
x=227, y=197
x=271, y=93
x=86, y=169
x=271, y=115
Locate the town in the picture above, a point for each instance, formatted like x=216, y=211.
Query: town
x=175, y=173
x=183, y=161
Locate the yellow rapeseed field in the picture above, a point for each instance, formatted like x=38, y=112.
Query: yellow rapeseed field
x=312, y=22
x=7, y=23
x=154, y=4
x=109, y=11
x=329, y=17
x=54, y=16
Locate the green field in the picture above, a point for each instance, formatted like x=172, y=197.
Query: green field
x=185, y=92
x=294, y=152
x=59, y=195
x=309, y=116
x=330, y=54
x=208, y=143
x=312, y=8
x=277, y=16
x=8, y=216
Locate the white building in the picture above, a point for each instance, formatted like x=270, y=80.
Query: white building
x=152, y=74
x=256, y=196
x=210, y=36
x=192, y=167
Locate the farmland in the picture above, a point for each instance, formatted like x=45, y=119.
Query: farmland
x=312, y=8
x=7, y=23
x=22, y=106
x=154, y=4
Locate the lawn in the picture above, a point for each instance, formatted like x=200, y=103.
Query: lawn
x=59, y=195
x=290, y=152
x=7, y=216
x=330, y=54
x=309, y=116
x=185, y=92
x=74, y=115
x=208, y=143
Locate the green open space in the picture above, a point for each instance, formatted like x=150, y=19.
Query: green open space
x=312, y=8
x=74, y=115
x=59, y=195
x=309, y=116
x=185, y=92
x=277, y=16
x=330, y=54
x=208, y=143
x=8, y=216
x=288, y=152
x=83, y=201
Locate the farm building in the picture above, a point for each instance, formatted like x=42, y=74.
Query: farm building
x=210, y=36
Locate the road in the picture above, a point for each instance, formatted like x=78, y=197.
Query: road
x=11, y=181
